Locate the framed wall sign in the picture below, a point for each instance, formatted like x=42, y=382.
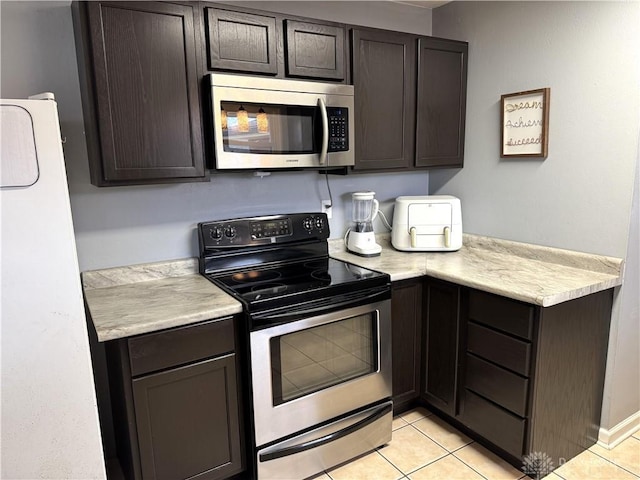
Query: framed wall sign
x=524, y=120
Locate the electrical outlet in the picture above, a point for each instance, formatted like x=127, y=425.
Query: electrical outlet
x=326, y=207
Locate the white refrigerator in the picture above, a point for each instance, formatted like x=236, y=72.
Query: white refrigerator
x=49, y=419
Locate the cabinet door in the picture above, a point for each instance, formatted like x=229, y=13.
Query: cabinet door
x=442, y=93
x=384, y=75
x=314, y=50
x=441, y=333
x=143, y=57
x=406, y=316
x=241, y=42
x=187, y=421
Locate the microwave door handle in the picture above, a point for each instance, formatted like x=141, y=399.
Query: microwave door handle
x=325, y=131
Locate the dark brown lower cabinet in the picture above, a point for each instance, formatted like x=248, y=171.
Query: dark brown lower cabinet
x=176, y=403
x=441, y=340
x=519, y=378
x=406, y=318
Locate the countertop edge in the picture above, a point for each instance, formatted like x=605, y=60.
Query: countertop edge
x=156, y=326
x=539, y=300
x=144, y=272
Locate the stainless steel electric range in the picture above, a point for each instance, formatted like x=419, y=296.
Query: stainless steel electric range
x=318, y=332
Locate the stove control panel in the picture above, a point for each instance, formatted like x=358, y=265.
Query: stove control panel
x=270, y=228
x=254, y=231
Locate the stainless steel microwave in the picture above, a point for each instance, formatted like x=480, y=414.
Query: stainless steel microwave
x=267, y=123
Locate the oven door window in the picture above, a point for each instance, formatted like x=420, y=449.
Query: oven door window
x=269, y=129
x=310, y=360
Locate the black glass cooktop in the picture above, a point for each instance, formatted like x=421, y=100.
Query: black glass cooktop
x=298, y=281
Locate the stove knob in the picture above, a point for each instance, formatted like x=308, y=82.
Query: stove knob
x=216, y=233
x=319, y=223
x=230, y=232
x=307, y=223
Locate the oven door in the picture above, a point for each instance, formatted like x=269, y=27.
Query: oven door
x=313, y=370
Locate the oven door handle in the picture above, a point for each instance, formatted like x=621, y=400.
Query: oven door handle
x=360, y=299
x=331, y=437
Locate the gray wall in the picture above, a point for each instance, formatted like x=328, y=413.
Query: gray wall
x=580, y=196
x=587, y=53
x=127, y=225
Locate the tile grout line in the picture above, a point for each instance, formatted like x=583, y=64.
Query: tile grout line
x=439, y=444
x=390, y=462
x=427, y=464
x=465, y=463
x=612, y=462
x=449, y=452
x=410, y=424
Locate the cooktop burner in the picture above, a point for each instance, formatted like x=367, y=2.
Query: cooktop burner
x=295, y=279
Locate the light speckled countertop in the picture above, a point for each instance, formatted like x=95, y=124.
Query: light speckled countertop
x=145, y=298
x=531, y=273
x=140, y=299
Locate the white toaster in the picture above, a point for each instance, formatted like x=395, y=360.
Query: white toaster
x=427, y=223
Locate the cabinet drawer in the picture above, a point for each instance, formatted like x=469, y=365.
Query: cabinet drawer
x=493, y=423
x=499, y=348
x=169, y=348
x=501, y=313
x=497, y=384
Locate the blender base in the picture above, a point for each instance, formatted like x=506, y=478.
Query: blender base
x=363, y=244
x=364, y=254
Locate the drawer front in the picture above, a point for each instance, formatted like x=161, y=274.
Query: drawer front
x=502, y=349
x=501, y=313
x=497, y=384
x=156, y=351
x=493, y=423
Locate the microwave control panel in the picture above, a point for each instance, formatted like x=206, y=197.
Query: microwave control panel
x=338, y=129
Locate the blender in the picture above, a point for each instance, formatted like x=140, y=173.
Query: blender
x=360, y=238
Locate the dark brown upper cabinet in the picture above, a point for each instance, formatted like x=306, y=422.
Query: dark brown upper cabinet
x=441, y=102
x=241, y=42
x=314, y=50
x=410, y=100
x=384, y=76
x=139, y=86
x=255, y=42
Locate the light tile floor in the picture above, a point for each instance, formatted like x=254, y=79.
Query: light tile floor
x=424, y=447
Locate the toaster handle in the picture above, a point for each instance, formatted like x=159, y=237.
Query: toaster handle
x=447, y=236
x=412, y=232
